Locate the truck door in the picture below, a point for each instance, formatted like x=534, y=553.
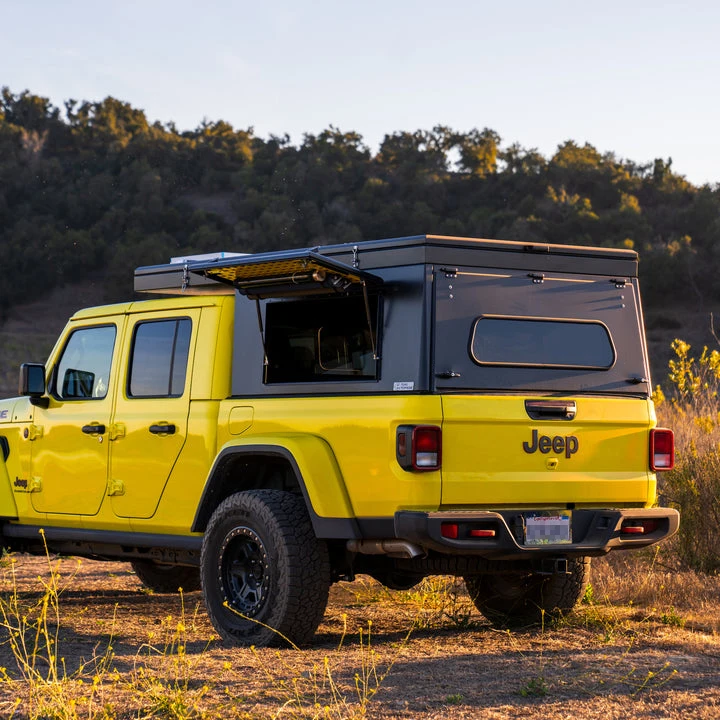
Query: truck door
x=151, y=415
x=69, y=452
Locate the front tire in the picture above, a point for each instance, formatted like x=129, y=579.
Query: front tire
x=265, y=576
x=162, y=578
x=528, y=598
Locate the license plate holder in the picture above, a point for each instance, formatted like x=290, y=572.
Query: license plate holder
x=548, y=527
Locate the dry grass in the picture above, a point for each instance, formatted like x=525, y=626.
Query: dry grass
x=647, y=579
x=648, y=640
x=690, y=407
x=84, y=640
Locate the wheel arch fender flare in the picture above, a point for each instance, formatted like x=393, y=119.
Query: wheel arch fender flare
x=314, y=467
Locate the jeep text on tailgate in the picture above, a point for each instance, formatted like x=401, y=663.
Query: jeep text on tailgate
x=400, y=408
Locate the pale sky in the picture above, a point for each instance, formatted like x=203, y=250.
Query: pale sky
x=639, y=78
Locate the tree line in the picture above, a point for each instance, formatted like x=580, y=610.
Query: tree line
x=94, y=188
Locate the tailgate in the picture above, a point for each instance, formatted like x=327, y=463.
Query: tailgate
x=495, y=454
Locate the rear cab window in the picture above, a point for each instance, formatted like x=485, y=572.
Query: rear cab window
x=159, y=358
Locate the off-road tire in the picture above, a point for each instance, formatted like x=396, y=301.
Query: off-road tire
x=265, y=576
x=528, y=598
x=161, y=578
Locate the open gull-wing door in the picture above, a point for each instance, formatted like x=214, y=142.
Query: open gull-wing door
x=298, y=274
x=284, y=274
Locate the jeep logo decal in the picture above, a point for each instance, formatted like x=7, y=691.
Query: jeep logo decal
x=568, y=444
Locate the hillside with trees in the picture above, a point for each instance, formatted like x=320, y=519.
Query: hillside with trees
x=96, y=189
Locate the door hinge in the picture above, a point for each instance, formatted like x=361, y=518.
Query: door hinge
x=116, y=431
x=33, y=432
x=116, y=487
x=35, y=485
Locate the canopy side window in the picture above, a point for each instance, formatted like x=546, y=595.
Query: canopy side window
x=322, y=339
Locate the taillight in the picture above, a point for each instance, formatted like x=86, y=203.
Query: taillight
x=662, y=449
x=449, y=530
x=466, y=531
x=645, y=526
x=419, y=447
x=481, y=533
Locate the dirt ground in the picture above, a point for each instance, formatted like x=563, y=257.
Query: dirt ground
x=647, y=647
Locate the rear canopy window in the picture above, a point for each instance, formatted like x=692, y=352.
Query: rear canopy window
x=541, y=342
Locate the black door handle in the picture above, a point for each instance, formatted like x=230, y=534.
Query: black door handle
x=551, y=409
x=168, y=429
x=93, y=429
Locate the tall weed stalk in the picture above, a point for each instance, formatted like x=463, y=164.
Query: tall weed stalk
x=43, y=685
x=333, y=689
x=690, y=408
x=164, y=676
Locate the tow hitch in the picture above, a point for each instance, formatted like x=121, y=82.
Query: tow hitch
x=552, y=566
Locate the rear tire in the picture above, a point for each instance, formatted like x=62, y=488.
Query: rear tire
x=265, y=576
x=528, y=598
x=163, y=578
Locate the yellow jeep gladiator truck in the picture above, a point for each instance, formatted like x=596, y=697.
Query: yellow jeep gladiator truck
x=267, y=424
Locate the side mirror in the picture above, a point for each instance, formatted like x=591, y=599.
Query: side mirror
x=77, y=384
x=32, y=380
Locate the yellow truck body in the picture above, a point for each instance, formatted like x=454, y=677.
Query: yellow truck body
x=399, y=408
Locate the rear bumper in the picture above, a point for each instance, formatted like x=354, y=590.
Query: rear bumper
x=594, y=532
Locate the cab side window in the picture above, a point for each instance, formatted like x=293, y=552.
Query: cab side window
x=84, y=368
x=159, y=358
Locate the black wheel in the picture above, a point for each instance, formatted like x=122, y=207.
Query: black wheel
x=265, y=576
x=526, y=598
x=166, y=578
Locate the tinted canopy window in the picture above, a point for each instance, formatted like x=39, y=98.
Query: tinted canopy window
x=321, y=339
x=540, y=342
x=159, y=358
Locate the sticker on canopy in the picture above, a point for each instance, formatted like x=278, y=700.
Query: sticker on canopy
x=550, y=527
x=403, y=386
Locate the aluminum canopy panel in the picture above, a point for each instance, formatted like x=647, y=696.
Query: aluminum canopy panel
x=280, y=274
